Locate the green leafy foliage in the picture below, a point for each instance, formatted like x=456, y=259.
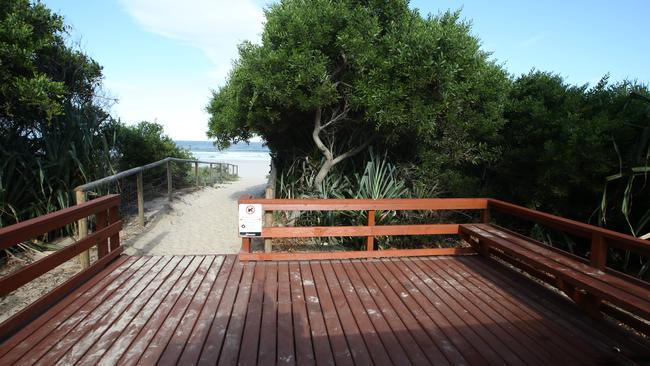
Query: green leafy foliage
x=418, y=86
x=560, y=142
x=143, y=143
x=51, y=123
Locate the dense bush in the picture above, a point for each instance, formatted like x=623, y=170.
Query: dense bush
x=561, y=141
x=51, y=121
x=331, y=78
x=142, y=144
x=55, y=131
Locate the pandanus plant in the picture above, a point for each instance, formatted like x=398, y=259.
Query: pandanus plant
x=634, y=180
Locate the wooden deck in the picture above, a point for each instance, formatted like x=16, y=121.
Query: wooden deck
x=215, y=309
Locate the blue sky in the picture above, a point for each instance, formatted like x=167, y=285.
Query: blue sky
x=161, y=58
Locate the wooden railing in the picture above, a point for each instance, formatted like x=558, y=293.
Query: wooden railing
x=370, y=231
x=601, y=238
x=82, y=190
x=105, y=237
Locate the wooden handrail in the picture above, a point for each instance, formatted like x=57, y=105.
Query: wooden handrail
x=105, y=208
x=25, y=274
x=614, y=238
x=399, y=204
x=371, y=229
x=28, y=229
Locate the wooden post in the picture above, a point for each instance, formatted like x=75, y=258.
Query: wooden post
x=246, y=245
x=140, y=188
x=485, y=216
x=196, y=173
x=84, y=258
x=268, y=220
x=371, y=222
x=100, y=223
x=598, y=254
x=210, y=171
x=169, y=181
x=113, y=217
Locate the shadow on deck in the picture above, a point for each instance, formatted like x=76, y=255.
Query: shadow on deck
x=216, y=309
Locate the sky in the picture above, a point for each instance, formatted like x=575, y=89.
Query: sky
x=162, y=58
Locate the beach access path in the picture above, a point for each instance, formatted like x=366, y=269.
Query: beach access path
x=202, y=222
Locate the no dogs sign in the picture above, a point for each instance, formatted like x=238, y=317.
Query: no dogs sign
x=250, y=219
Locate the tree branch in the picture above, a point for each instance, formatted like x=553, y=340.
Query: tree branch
x=352, y=152
x=316, y=136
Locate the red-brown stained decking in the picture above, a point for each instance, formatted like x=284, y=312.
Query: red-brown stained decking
x=214, y=309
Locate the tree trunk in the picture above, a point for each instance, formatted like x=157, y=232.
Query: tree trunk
x=330, y=159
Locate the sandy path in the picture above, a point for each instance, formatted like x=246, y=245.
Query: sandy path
x=203, y=222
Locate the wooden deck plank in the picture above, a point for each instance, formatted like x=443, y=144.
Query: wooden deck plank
x=113, y=275
x=266, y=354
x=285, y=349
x=491, y=325
x=141, y=321
x=543, y=335
x=250, y=342
x=232, y=342
x=301, y=329
x=190, y=351
x=426, y=310
x=409, y=331
x=321, y=340
x=192, y=317
x=388, y=336
x=601, y=337
x=378, y=351
x=110, y=328
x=340, y=350
x=358, y=347
x=435, y=318
x=154, y=336
x=75, y=326
x=214, y=340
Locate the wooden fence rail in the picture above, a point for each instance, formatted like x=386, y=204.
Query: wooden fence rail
x=370, y=231
x=81, y=197
x=105, y=237
x=601, y=238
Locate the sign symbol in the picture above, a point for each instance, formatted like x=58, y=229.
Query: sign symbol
x=250, y=209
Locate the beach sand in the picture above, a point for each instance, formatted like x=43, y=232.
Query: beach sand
x=201, y=222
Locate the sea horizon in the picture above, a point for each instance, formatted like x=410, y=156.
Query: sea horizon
x=205, y=150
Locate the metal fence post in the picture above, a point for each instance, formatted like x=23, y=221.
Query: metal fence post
x=140, y=188
x=84, y=258
x=196, y=173
x=169, y=181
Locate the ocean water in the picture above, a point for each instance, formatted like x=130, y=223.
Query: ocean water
x=205, y=150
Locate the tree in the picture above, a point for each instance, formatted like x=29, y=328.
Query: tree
x=332, y=77
x=51, y=120
x=142, y=144
x=561, y=141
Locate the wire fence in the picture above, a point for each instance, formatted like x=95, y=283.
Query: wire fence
x=141, y=187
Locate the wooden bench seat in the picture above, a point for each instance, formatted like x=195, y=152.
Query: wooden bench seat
x=585, y=284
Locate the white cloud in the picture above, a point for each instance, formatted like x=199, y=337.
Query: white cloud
x=214, y=26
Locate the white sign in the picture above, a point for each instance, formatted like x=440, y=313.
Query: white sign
x=250, y=219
